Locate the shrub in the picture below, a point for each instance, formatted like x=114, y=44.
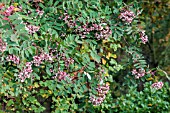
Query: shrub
x=64, y=56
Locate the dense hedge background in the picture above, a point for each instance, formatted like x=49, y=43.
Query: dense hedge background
x=84, y=56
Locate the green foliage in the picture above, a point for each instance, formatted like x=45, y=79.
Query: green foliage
x=148, y=100
x=56, y=55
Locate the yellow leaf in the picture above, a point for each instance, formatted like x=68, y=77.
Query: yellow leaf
x=14, y=64
x=111, y=55
x=149, y=79
x=44, y=95
x=108, y=55
x=29, y=109
x=108, y=83
x=13, y=109
x=16, y=9
x=42, y=67
x=50, y=92
x=12, y=89
x=36, y=85
x=106, y=73
x=25, y=95
x=114, y=56
x=104, y=41
x=82, y=47
x=103, y=61
x=150, y=105
x=76, y=66
x=15, y=4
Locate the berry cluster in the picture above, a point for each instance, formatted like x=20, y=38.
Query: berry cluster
x=127, y=16
x=143, y=37
x=2, y=45
x=61, y=75
x=102, y=91
x=25, y=73
x=139, y=73
x=9, y=11
x=40, y=12
x=68, y=61
x=32, y=29
x=37, y=60
x=68, y=20
x=13, y=58
x=102, y=30
x=40, y=58
x=157, y=85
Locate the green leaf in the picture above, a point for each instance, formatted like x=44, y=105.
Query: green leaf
x=14, y=16
x=56, y=3
x=20, y=26
x=95, y=56
x=10, y=102
x=50, y=3
x=26, y=53
x=113, y=62
x=88, y=75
